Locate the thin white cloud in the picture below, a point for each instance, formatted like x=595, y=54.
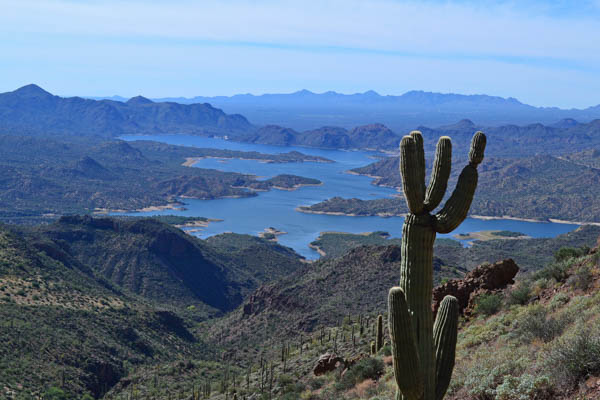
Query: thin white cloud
x=163, y=48
x=439, y=28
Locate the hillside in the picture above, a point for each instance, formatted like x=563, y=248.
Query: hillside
x=164, y=265
x=373, y=136
x=45, y=178
x=520, y=140
x=589, y=158
x=402, y=112
x=126, y=305
x=64, y=327
x=85, y=301
x=541, y=187
x=543, y=328
x=530, y=254
x=33, y=111
x=321, y=294
x=507, y=141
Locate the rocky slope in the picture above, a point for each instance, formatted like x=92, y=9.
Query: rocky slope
x=321, y=294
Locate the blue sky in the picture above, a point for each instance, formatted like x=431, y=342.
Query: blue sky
x=545, y=53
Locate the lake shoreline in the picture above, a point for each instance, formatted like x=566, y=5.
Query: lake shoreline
x=289, y=210
x=177, y=206
x=304, y=209
x=191, y=161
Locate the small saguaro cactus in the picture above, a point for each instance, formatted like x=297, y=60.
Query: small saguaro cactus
x=379, y=335
x=423, y=352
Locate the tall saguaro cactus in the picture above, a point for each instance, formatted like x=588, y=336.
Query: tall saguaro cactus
x=423, y=352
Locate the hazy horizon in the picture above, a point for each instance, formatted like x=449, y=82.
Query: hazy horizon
x=538, y=52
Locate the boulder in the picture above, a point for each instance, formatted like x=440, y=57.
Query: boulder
x=486, y=278
x=327, y=363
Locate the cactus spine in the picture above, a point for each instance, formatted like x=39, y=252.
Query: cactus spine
x=423, y=353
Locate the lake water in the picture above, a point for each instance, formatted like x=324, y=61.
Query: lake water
x=276, y=208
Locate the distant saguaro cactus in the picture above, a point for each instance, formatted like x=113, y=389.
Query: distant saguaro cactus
x=379, y=334
x=423, y=352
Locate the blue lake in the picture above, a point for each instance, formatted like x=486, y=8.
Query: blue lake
x=276, y=208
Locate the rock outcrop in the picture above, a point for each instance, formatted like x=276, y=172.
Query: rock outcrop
x=486, y=278
x=327, y=362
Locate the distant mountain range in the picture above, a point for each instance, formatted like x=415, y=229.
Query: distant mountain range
x=305, y=110
x=32, y=110
x=562, y=137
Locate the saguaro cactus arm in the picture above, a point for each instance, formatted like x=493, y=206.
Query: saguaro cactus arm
x=439, y=174
x=413, y=182
x=420, y=155
x=457, y=207
x=407, y=369
x=444, y=339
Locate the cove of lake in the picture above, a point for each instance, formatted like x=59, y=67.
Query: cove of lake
x=276, y=208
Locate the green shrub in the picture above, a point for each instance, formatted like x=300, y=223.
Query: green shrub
x=557, y=270
x=483, y=379
x=541, y=283
x=559, y=300
x=574, y=357
x=367, y=368
x=316, y=383
x=524, y=387
x=520, y=294
x=54, y=393
x=581, y=278
x=488, y=304
x=565, y=253
x=596, y=258
x=535, y=323
x=386, y=350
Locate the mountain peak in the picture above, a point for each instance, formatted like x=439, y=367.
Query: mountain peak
x=304, y=92
x=465, y=122
x=565, y=123
x=371, y=93
x=139, y=100
x=32, y=90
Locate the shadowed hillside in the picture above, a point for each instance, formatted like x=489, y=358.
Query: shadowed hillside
x=163, y=264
